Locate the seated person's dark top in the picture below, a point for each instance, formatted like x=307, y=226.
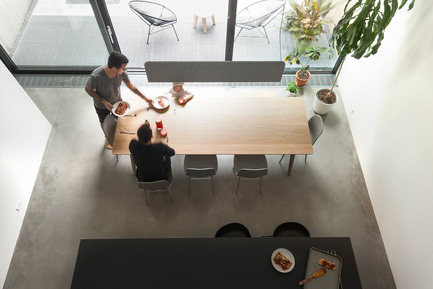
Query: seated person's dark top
x=153, y=161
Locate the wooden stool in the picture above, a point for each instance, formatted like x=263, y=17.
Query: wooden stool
x=203, y=13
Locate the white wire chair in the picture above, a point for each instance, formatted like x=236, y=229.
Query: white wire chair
x=259, y=14
x=154, y=15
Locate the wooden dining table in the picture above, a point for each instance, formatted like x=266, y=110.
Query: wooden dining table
x=223, y=124
x=212, y=263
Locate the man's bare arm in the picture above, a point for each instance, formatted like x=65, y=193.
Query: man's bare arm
x=96, y=96
x=137, y=92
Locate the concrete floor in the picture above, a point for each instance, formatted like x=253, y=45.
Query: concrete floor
x=82, y=193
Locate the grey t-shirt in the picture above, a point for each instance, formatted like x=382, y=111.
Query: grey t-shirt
x=107, y=88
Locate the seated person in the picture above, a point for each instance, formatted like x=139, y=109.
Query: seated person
x=178, y=91
x=152, y=159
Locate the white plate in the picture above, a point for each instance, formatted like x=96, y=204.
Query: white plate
x=156, y=104
x=117, y=104
x=288, y=255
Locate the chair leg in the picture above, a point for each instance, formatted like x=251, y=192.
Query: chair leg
x=260, y=188
x=213, y=189
x=189, y=186
x=281, y=159
x=238, y=34
x=145, y=194
x=175, y=32
x=117, y=159
x=169, y=196
x=266, y=35
x=305, y=158
x=237, y=187
x=148, y=35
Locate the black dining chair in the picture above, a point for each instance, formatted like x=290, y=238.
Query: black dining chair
x=291, y=229
x=233, y=230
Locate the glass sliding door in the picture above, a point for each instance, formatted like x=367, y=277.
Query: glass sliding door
x=52, y=34
x=195, y=44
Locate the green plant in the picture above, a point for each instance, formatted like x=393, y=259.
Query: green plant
x=306, y=20
x=361, y=29
x=292, y=87
x=311, y=53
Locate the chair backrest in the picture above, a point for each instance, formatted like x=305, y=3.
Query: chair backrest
x=315, y=124
x=152, y=13
x=291, y=229
x=233, y=230
x=260, y=13
x=250, y=166
x=200, y=172
x=252, y=173
x=109, y=127
x=156, y=185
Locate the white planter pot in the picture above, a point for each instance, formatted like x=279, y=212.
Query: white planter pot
x=291, y=94
x=320, y=107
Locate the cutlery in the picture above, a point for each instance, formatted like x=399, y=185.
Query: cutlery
x=125, y=132
x=317, y=274
x=134, y=114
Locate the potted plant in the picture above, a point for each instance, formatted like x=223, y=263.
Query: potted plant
x=359, y=32
x=292, y=88
x=306, y=20
x=311, y=53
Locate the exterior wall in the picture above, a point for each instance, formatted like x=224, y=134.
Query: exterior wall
x=12, y=16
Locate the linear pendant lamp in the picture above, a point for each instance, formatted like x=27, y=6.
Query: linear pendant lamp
x=214, y=71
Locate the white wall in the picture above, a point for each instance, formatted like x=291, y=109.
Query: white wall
x=392, y=124
x=24, y=135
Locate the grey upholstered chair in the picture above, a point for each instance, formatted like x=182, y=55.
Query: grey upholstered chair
x=154, y=15
x=259, y=14
x=250, y=166
x=109, y=127
x=233, y=230
x=315, y=124
x=200, y=166
x=162, y=185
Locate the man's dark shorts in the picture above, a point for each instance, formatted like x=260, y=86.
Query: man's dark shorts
x=102, y=113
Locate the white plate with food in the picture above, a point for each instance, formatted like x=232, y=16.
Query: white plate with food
x=283, y=260
x=120, y=108
x=161, y=102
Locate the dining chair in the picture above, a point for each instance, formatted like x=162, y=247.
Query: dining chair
x=162, y=185
x=233, y=230
x=154, y=15
x=259, y=14
x=250, y=166
x=291, y=229
x=199, y=167
x=315, y=125
x=109, y=127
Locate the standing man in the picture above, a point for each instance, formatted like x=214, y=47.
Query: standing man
x=104, y=86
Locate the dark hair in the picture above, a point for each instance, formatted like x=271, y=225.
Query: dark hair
x=144, y=133
x=116, y=59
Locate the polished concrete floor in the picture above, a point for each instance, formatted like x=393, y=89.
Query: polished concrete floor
x=82, y=193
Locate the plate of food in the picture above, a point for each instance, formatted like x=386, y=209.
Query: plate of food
x=120, y=108
x=283, y=260
x=161, y=102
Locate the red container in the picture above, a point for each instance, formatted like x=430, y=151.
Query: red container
x=158, y=123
